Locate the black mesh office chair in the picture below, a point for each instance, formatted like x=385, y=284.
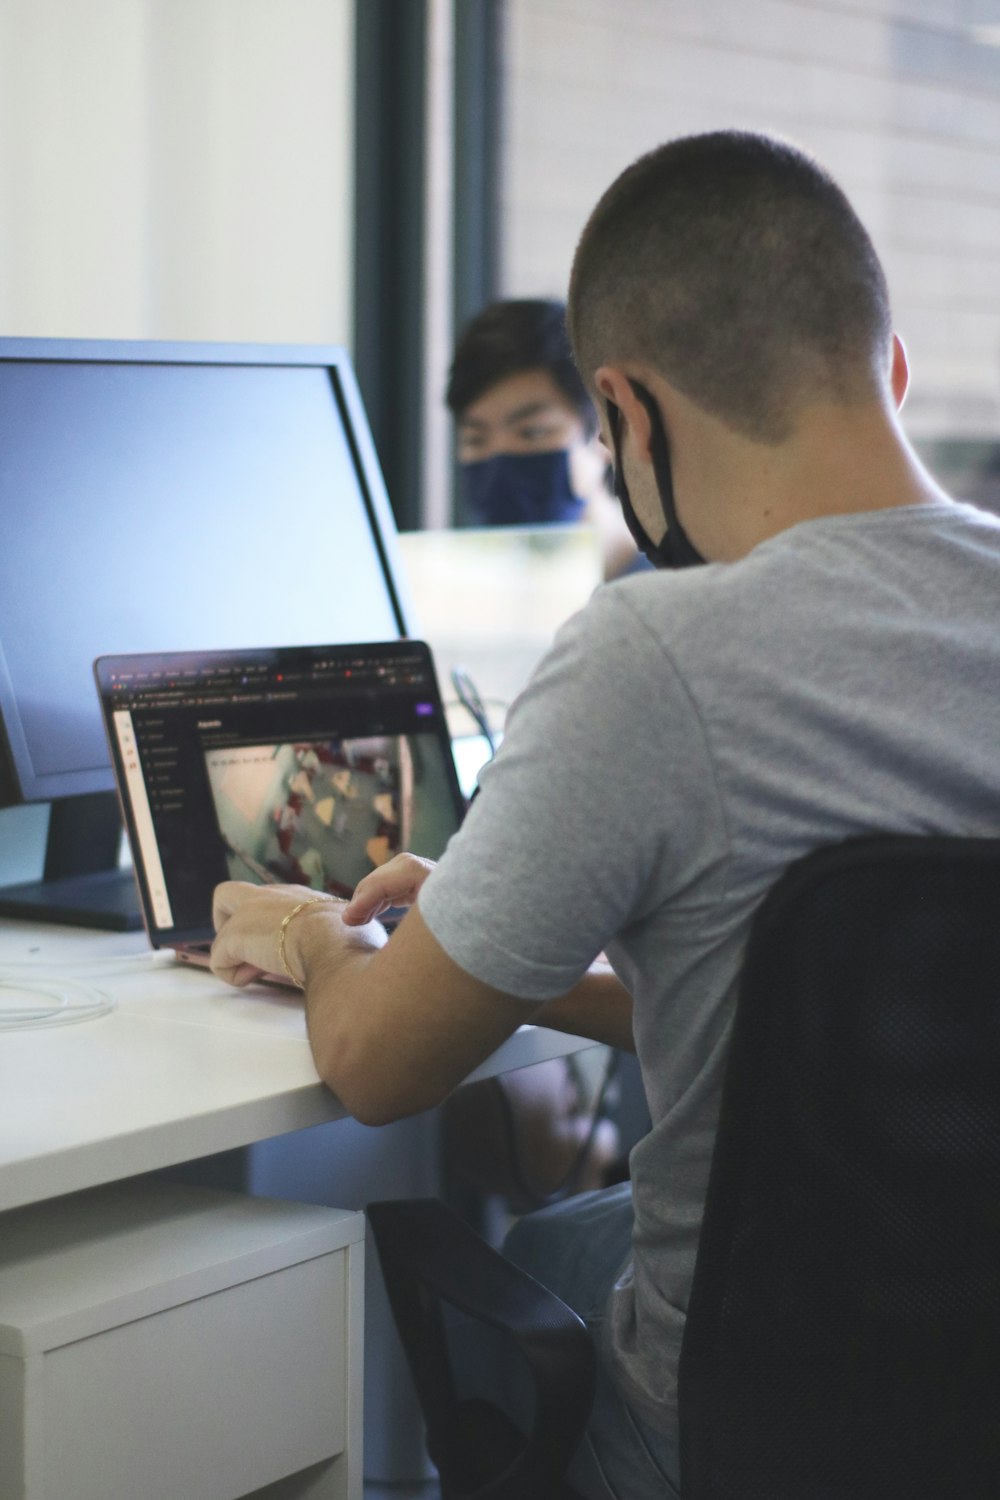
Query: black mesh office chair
x=843, y=1332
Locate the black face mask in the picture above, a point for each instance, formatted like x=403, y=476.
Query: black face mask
x=676, y=550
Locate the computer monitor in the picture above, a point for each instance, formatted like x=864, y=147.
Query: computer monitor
x=166, y=497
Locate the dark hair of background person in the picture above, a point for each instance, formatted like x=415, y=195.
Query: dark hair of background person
x=733, y=264
x=507, y=338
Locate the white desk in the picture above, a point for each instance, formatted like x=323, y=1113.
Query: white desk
x=185, y=1067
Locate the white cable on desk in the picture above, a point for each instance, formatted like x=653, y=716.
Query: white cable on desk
x=71, y=999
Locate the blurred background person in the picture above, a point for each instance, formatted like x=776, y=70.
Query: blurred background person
x=527, y=431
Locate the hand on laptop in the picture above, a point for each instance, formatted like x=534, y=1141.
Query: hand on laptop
x=256, y=935
x=394, y=884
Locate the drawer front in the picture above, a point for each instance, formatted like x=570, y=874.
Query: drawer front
x=208, y=1400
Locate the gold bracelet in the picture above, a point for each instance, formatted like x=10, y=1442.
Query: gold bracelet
x=288, y=917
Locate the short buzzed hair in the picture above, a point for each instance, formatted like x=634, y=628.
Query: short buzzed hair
x=733, y=264
x=509, y=338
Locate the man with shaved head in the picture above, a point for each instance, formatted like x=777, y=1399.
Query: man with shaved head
x=815, y=656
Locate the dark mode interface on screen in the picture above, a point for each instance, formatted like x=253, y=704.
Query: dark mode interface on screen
x=312, y=771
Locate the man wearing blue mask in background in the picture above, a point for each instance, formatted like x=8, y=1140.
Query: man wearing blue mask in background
x=527, y=429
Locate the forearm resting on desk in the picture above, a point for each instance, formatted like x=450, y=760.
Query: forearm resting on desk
x=394, y=1026
x=395, y=1031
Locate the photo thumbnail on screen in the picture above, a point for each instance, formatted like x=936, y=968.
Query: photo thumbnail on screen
x=325, y=812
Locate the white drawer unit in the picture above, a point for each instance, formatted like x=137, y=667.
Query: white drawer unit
x=167, y=1342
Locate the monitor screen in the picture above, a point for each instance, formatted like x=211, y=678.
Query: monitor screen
x=167, y=497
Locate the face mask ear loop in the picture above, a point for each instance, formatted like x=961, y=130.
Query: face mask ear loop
x=676, y=550
x=645, y=546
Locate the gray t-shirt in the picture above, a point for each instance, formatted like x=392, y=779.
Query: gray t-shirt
x=686, y=738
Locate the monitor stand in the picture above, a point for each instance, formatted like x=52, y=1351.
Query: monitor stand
x=83, y=885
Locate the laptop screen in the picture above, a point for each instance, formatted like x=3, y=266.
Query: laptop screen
x=304, y=765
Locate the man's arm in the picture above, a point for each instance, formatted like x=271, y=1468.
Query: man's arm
x=395, y=1031
x=394, y=1027
x=599, y=1006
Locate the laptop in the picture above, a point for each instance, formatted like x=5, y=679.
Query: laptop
x=310, y=765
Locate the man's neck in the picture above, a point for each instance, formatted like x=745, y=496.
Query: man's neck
x=840, y=460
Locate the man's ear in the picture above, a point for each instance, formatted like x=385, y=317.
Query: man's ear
x=899, y=375
x=614, y=385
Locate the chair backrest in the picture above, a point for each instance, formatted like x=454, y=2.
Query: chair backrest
x=843, y=1332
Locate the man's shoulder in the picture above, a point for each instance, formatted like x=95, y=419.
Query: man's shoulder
x=810, y=576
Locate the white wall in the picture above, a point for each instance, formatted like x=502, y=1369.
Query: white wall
x=176, y=169
x=900, y=99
